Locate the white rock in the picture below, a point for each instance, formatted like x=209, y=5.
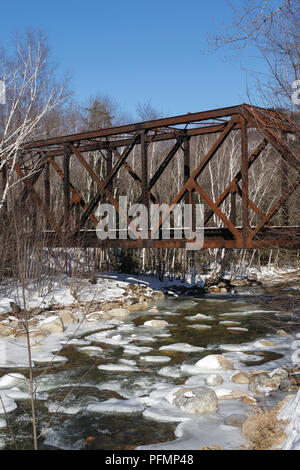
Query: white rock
x=215, y=361
x=52, y=324
x=12, y=380
x=214, y=379
x=156, y=323
x=119, y=312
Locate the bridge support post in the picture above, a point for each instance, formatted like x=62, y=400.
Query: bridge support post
x=245, y=188
x=144, y=164
x=284, y=185
x=233, y=205
x=109, y=168
x=47, y=190
x=67, y=199
x=186, y=166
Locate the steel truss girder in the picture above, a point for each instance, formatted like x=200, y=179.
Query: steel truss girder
x=271, y=125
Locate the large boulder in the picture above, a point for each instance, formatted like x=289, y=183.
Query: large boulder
x=263, y=384
x=5, y=330
x=214, y=379
x=157, y=294
x=67, y=317
x=236, y=420
x=156, y=323
x=289, y=385
x=240, y=378
x=118, y=313
x=136, y=307
x=278, y=375
x=52, y=324
x=196, y=400
x=215, y=361
x=264, y=344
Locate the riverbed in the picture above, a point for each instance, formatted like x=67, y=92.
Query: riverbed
x=112, y=384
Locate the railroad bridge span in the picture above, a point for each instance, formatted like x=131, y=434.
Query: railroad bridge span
x=76, y=224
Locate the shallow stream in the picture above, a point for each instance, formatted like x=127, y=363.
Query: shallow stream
x=136, y=366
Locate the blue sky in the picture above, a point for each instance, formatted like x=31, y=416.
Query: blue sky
x=139, y=51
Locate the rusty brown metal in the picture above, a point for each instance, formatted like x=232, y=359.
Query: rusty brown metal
x=121, y=140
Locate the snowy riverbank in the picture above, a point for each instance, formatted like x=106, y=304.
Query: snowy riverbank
x=111, y=324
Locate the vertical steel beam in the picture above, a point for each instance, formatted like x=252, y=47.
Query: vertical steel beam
x=67, y=198
x=144, y=164
x=245, y=182
x=284, y=185
x=189, y=196
x=109, y=157
x=233, y=206
x=186, y=166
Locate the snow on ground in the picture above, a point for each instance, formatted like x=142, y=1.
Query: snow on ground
x=291, y=412
x=149, y=396
x=68, y=291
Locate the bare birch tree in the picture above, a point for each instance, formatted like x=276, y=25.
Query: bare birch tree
x=31, y=93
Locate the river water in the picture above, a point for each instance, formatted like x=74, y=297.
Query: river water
x=127, y=362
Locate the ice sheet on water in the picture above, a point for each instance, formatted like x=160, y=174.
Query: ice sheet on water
x=17, y=394
x=201, y=431
x=48, y=358
x=170, y=372
x=236, y=328
x=200, y=316
x=114, y=405
x=200, y=327
x=75, y=342
x=118, y=367
x=143, y=338
x=91, y=350
x=165, y=413
x=6, y=404
x=182, y=347
x=109, y=337
x=57, y=407
x=3, y=423
x=155, y=359
x=128, y=362
x=13, y=379
x=134, y=350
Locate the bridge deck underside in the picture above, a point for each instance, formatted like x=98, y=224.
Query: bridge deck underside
x=270, y=237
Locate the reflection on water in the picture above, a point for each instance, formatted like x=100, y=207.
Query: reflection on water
x=200, y=322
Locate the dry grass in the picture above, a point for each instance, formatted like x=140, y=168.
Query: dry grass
x=263, y=429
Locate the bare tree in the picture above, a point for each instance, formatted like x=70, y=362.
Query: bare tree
x=272, y=26
x=31, y=94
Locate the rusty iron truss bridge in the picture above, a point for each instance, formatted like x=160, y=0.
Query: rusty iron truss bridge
x=115, y=144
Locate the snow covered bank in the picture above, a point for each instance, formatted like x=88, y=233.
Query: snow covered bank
x=161, y=369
